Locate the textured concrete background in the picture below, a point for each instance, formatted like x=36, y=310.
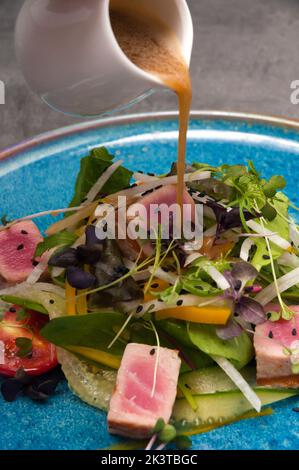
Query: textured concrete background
x=245, y=57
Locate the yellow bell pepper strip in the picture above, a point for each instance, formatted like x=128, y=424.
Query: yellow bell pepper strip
x=70, y=299
x=82, y=303
x=157, y=285
x=82, y=307
x=95, y=355
x=210, y=314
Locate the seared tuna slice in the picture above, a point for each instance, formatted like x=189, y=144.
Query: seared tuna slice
x=133, y=411
x=274, y=343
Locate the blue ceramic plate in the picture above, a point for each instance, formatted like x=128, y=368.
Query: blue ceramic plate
x=40, y=174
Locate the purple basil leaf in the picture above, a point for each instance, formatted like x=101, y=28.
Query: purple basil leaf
x=64, y=258
x=243, y=272
x=250, y=310
x=228, y=219
x=229, y=331
x=11, y=388
x=90, y=234
x=79, y=279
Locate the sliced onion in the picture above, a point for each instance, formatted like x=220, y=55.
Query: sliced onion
x=284, y=283
x=100, y=183
x=164, y=276
x=239, y=381
x=245, y=249
x=218, y=277
x=276, y=239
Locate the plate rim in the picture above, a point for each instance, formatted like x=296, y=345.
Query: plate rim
x=31, y=142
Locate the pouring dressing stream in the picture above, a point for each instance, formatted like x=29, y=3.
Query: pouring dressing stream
x=92, y=57
x=154, y=48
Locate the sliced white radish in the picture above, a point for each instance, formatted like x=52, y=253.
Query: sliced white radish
x=239, y=381
x=192, y=257
x=100, y=183
x=245, y=249
x=218, y=277
x=37, y=272
x=294, y=234
x=52, y=212
x=276, y=239
x=284, y=283
x=137, y=191
x=144, y=178
x=163, y=275
x=288, y=259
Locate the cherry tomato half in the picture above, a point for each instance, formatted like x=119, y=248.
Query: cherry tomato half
x=42, y=356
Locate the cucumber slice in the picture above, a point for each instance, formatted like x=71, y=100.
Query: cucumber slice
x=213, y=379
x=94, y=388
x=220, y=407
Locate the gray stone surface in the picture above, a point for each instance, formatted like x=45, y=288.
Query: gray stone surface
x=245, y=57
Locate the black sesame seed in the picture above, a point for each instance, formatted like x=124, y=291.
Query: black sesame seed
x=24, y=232
x=266, y=257
x=292, y=244
x=294, y=332
x=155, y=285
x=160, y=300
x=151, y=307
x=12, y=310
x=270, y=335
x=35, y=263
x=134, y=185
x=51, y=301
x=149, y=191
x=188, y=386
x=20, y=247
x=152, y=352
x=268, y=315
x=179, y=302
x=141, y=172
x=139, y=309
x=151, y=174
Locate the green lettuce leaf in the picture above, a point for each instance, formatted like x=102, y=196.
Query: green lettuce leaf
x=278, y=225
x=95, y=331
x=238, y=350
x=61, y=239
x=91, y=168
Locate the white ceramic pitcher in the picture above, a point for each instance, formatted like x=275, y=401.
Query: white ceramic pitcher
x=71, y=58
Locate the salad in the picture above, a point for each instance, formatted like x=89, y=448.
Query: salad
x=171, y=336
